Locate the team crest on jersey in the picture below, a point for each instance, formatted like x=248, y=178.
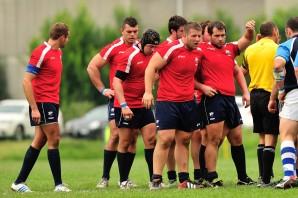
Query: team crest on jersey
x=228, y=52
x=121, y=52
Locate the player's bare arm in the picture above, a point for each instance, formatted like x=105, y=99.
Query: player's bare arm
x=155, y=64
x=27, y=86
x=93, y=70
x=248, y=35
x=238, y=75
x=125, y=110
x=279, y=74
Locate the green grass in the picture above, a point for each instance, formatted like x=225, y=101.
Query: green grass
x=82, y=167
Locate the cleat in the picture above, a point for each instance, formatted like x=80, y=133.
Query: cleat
x=199, y=181
x=61, y=188
x=269, y=185
x=156, y=185
x=103, y=183
x=260, y=181
x=261, y=184
x=125, y=185
x=188, y=184
x=172, y=183
x=246, y=181
x=288, y=183
x=21, y=188
x=214, y=184
x=130, y=183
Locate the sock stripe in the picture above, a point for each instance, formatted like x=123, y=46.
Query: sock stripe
x=289, y=173
x=288, y=150
x=269, y=149
x=288, y=161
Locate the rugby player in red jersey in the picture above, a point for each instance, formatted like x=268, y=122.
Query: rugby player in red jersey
x=222, y=114
x=176, y=28
x=42, y=87
x=176, y=117
x=109, y=55
x=130, y=114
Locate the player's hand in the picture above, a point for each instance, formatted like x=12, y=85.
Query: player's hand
x=246, y=100
x=250, y=25
x=208, y=91
x=35, y=115
x=272, y=106
x=148, y=100
x=108, y=93
x=126, y=113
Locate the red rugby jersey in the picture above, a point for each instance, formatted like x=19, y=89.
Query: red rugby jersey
x=218, y=67
x=134, y=63
x=176, y=82
x=46, y=64
x=110, y=53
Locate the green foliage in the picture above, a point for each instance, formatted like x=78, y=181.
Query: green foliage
x=233, y=32
x=281, y=16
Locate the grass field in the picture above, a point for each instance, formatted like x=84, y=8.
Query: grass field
x=82, y=167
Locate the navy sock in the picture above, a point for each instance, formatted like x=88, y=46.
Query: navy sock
x=55, y=164
x=122, y=167
x=108, y=159
x=149, y=160
x=268, y=159
x=260, y=158
x=183, y=176
x=28, y=163
x=238, y=155
x=172, y=175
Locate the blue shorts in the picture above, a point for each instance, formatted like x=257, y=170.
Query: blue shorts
x=177, y=115
x=200, y=112
x=141, y=118
x=111, y=110
x=221, y=108
x=48, y=113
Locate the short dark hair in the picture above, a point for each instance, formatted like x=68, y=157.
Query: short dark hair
x=175, y=22
x=267, y=28
x=192, y=25
x=58, y=29
x=204, y=24
x=216, y=24
x=131, y=21
x=293, y=24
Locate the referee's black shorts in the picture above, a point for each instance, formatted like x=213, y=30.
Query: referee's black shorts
x=264, y=121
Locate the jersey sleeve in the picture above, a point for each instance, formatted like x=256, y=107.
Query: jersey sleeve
x=106, y=52
x=35, y=61
x=235, y=48
x=166, y=52
x=283, y=51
